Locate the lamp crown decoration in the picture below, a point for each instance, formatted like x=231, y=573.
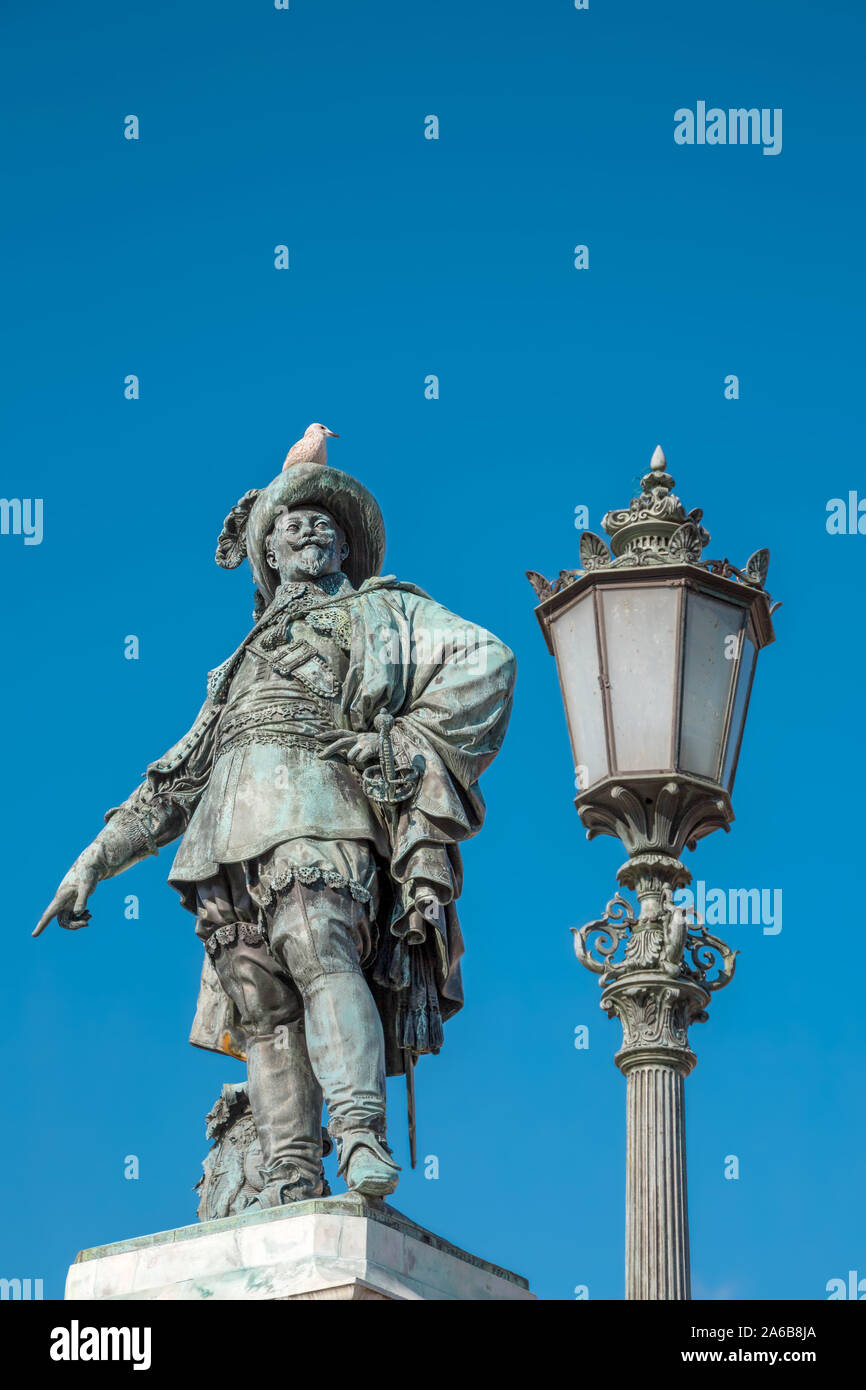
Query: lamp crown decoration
x=654, y=529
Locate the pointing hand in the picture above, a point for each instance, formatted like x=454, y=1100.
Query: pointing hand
x=69, y=904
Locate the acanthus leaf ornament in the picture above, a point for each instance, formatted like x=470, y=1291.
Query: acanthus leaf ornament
x=677, y=816
x=594, y=554
x=543, y=588
x=756, y=569
x=685, y=545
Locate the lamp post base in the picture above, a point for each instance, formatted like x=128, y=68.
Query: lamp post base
x=656, y=996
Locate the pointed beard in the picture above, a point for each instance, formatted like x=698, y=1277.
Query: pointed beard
x=312, y=560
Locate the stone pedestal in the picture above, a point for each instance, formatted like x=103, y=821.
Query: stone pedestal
x=343, y=1248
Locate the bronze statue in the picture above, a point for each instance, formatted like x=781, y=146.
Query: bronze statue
x=322, y=793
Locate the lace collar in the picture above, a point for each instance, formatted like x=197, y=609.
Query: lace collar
x=329, y=586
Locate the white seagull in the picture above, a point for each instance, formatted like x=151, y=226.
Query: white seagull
x=313, y=448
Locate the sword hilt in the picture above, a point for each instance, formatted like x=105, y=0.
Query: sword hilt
x=384, y=723
x=388, y=783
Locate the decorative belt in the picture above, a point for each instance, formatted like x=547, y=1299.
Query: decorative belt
x=294, y=722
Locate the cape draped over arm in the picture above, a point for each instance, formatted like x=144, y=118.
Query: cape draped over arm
x=449, y=685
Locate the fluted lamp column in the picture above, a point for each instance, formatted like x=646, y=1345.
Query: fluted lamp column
x=656, y=651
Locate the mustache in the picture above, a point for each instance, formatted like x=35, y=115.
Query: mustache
x=311, y=540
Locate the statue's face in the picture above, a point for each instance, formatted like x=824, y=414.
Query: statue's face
x=305, y=543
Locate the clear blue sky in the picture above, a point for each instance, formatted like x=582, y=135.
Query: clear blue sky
x=453, y=257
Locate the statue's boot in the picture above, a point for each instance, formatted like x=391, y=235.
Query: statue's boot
x=286, y=1101
x=347, y=1052
x=366, y=1163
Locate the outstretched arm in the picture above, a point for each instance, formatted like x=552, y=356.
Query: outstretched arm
x=143, y=824
x=156, y=813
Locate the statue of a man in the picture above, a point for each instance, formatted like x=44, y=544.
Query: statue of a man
x=321, y=793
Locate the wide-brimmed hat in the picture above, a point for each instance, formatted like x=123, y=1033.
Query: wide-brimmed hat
x=304, y=485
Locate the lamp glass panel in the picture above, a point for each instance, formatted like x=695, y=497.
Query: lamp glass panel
x=710, y=663
x=576, y=647
x=640, y=633
x=738, y=713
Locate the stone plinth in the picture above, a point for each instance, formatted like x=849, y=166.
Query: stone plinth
x=344, y=1248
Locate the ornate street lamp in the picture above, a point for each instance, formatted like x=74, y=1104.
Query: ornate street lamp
x=655, y=650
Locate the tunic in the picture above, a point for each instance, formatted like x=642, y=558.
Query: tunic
x=247, y=779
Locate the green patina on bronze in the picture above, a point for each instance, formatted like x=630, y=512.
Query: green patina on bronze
x=321, y=794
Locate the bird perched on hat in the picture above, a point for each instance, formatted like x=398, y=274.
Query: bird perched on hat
x=312, y=448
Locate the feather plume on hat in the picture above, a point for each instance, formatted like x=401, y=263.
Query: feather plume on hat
x=356, y=511
x=232, y=544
